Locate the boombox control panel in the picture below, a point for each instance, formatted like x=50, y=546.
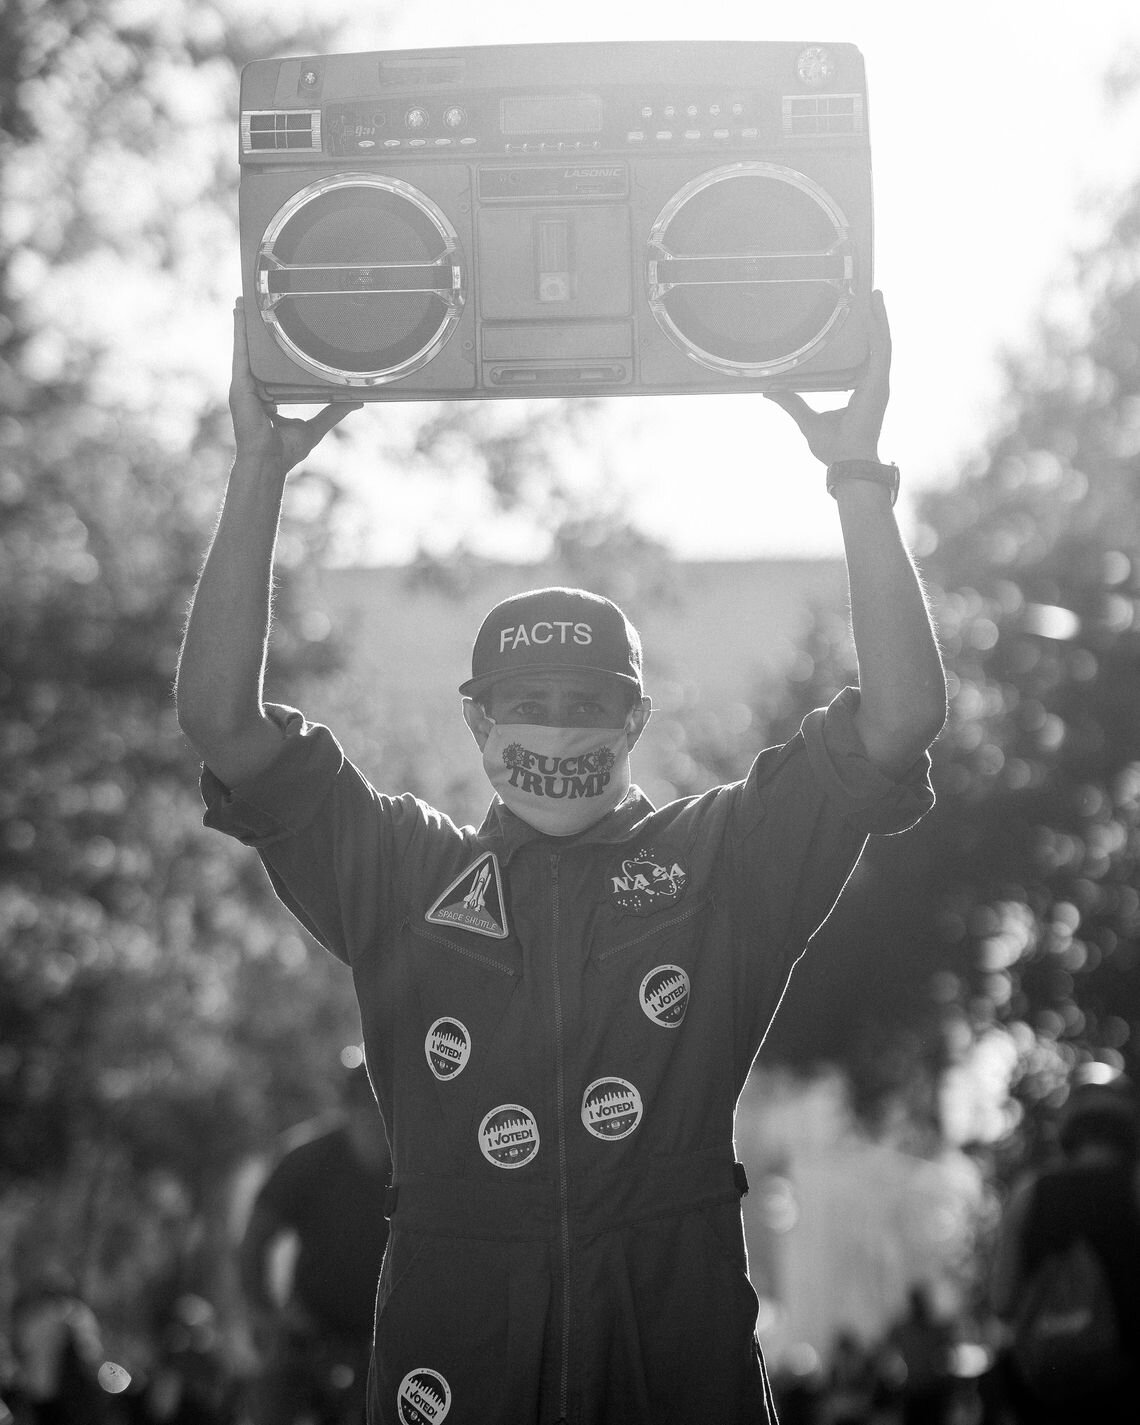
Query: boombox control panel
x=570, y=123
x=574, y=123
x=552, y=219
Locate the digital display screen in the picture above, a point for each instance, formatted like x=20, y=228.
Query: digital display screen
x=551, y=114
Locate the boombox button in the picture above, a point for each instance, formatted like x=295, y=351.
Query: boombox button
x=663, y=134
x=721, y=134
x=692, y=133
x=470, y=138
x=749, y=133
x=635, y=136
x=391, y=143
x=440, y=143
x=417, y=143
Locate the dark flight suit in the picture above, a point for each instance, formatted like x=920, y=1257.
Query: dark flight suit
x=558, y=1030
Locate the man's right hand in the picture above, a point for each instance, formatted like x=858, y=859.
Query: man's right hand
x=259, y=432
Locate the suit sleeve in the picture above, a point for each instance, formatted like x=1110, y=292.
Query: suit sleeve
x=868, y=797
x=332, y=845
x=792, y=833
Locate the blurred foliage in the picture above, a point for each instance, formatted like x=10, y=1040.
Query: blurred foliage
x=994, y=950
x=151, y=1024
x=1035, y=558
x=161, y=1018
x=525, y=456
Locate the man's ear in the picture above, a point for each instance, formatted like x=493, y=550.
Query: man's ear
x=639, y=715
x=477, y=720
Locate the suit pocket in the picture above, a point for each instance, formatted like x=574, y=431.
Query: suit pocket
x=625, y=936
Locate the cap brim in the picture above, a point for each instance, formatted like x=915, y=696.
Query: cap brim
x=474, y=686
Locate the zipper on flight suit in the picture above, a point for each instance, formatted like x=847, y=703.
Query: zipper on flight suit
x=563, y=1165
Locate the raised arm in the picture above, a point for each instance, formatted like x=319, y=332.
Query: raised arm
x=221, y=667
x=902, y=684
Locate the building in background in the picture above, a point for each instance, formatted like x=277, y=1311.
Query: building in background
x=716, y=634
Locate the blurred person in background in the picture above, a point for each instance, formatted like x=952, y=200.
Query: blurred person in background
x=326, y=1192
x=917, y=1361
x=851, y=1380
x=192, y=1382
x=1066, y=1273
x=560, y=1008
x=57, y=1350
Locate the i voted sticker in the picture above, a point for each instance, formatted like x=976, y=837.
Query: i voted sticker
x=424, y=1397
x=664, y=995
x=448, y=1047
x=611, y=1108
x=508, y=1136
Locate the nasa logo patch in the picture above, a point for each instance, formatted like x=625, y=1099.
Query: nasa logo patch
x=508, y=1136
x=664, y=995
x=424, y=1397
x=646, y=881
x=611, y=1108
x=448, y=1047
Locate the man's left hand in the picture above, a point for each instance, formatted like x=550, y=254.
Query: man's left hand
x=851, y=433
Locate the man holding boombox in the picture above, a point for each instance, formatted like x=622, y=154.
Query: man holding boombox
x=561, y=1007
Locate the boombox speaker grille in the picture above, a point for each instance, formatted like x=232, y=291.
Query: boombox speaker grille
x=359, y=278
x=750, y=266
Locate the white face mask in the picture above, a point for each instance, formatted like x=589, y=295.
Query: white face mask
x=558, y=779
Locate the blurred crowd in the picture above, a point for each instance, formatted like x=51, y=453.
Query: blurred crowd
x=56, y=1374
x=921, y=1372
x=1058, y=1341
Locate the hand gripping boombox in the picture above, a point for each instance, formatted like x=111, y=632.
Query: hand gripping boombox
x=552, y=220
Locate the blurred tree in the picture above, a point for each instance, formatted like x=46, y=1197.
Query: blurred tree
x=148, y=985
x=1000, y=938
x=1036, y=554
x=160, y=1016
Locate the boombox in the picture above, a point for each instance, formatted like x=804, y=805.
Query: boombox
x=553, y=220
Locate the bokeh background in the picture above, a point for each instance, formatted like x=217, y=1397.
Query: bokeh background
x=161, y=1020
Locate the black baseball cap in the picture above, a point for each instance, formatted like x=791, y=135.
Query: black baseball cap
x=551, y=631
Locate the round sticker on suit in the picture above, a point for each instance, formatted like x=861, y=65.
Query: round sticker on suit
x=508, y=1136
x=646, y=881
x=424, y=1397
x=611, y=1108
x=448, y=1047
x=664, y=995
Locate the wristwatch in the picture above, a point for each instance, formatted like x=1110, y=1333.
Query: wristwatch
x=887, y=475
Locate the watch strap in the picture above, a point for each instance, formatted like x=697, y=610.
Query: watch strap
x=872, y=470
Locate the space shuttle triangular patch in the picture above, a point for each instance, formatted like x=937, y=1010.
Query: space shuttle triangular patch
x=474, y=900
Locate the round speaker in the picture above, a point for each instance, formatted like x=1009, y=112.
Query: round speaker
x=359, y=278
x=750, y=267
